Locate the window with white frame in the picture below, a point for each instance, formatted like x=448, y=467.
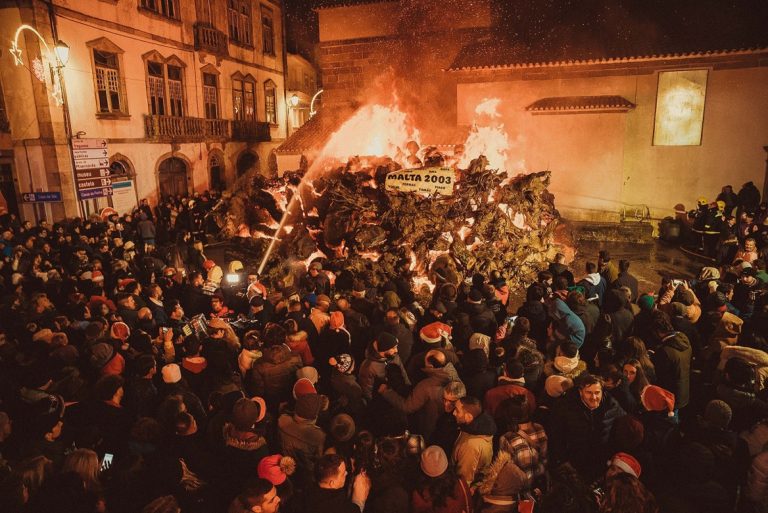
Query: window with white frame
x=270, y=101
x=167, y=8
x=267, y=31
x=244, y=99
x=156, y=86
x=211, y=95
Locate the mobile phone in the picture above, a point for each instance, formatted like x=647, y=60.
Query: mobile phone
x=511, y=320
x=164, y=330
x=677, y=283
x=106, y=462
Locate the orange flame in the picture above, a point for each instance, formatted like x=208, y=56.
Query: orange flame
x=487, y=136
x=374, y=130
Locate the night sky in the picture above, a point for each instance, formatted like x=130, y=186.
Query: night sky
x=678, y=23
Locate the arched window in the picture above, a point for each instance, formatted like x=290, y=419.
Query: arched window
x=173, y=177
x=270, y=102
x=246, y=163
x=119, y=168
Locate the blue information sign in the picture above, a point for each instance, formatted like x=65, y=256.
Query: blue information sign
x=40, y=197
x=99, y=192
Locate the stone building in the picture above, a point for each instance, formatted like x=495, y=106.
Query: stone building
x=632, y=116
x=301, y=87
x=188, y=95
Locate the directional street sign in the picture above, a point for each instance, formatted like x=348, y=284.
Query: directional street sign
x=91, y=163
x=40, y=197
x=91, y=158
x=89, y=174
x=88, y=144
x=95, y=193
x=101, y=153
x=95, y=183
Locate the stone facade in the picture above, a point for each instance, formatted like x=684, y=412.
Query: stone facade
x=219, y=74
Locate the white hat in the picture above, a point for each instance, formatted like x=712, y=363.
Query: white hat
x=171, y=373
x=309, y=373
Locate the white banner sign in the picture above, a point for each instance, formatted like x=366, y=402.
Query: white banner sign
x=429, y=181
x=91, y=163
x=87, y=144
x=90, y=154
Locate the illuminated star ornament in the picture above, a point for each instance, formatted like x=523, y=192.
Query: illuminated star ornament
x=16, y=52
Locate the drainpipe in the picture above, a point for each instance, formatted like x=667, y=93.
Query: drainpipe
x=285, y=68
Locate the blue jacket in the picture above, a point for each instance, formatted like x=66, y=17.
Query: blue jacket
x=568, y=323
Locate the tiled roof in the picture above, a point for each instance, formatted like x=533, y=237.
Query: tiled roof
x=328, y=4
x=561, y=104
x=311, y=135
x=492, y=53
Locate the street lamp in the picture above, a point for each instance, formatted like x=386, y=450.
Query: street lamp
x=62, y=52
x=294, y=101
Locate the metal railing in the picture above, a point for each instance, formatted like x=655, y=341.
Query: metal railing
x=176, y=127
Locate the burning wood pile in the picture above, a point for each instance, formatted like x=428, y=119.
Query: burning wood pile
x=358, y=218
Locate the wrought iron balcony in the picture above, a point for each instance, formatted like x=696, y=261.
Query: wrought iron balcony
x=248, y=130
x=174, y=127
x=209, y=39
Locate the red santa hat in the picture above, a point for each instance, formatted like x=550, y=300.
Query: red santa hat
x=655, y=398
x=434, y=332
x=627, y=463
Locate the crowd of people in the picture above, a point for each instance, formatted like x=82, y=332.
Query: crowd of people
x=139, y=375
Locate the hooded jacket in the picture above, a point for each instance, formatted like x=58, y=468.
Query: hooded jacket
x=595, y=286
x=425, y=403
x=481, y=318
x=299, y=344
x=473, y=450
x=673, y=366
x=568, y=323
x=375, y=367
x=536, y=313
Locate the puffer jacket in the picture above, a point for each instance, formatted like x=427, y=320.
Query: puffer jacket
x=673, y=366
x=272, y=376
x=301, y=439
x=425, y=403
x=299, y=344
x=757, y=483
x=473, y=450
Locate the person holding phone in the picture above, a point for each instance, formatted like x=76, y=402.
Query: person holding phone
x=328, y=493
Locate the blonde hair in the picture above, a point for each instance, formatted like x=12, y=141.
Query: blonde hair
x=33, y=471
x=84, y=463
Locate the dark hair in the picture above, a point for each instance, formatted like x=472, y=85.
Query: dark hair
x=623, y=265
x=472, y=405
x=625, y=493
x=569, y=349
x=544, y=275
x=327, y=467
x=514, y=368
x=591, y=267
x=254, y=494
x=739, y=372
x=568, y=493
x=561, y=283
x=535, y=293
x=184, y=420
x=661, y=322
x=192, y=345
x=106, y=387
x=587, y=380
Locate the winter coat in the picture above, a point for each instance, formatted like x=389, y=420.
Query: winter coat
x=477, y=376
x=460, y=502
x=580, y=435
x=473, y=450
x=756, y=357
x=374, y=368
x=627, y=280
x=589, y=313
x=425, y=403
x=672, y=360
x=242, y=452
x=481, y=318
x=299, y=344
x=536, y=313
x=495, y=396
x=323, y=500
x=594, y=287
x=272, y=376
x=568, y=323
x=301, y=439
x=757, y=482
x=347, y=387
x=404, y=340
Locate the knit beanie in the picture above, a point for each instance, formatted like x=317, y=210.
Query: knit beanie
x=627, y=463
x=246, y=413
x=302, y=387
x=308, y=406
x=337, y=320
x=308, y=372
x=344, y=363
x=385, y=341
x=171, y=373
x=434, y=462
x=646, y=302
x=101, y=354
x=655, y=398
x=276, y=468
x=718, y=414
x=342, y=427
x=556, y=385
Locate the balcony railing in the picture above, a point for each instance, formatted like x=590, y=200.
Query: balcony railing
x=210, y=40
x=257, y=131
x=173, y=127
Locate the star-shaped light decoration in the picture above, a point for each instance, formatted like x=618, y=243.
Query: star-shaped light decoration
x=16, y=52
x=38, y=69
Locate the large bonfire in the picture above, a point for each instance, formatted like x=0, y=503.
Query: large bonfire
x=344, y=212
